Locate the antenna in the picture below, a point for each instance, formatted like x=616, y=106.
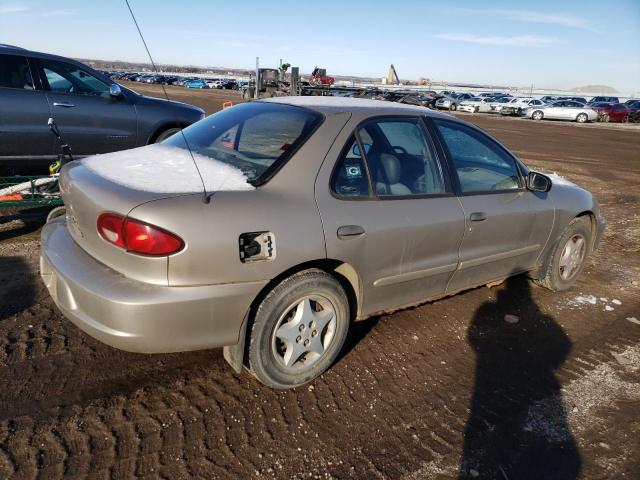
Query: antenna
x=205, y=197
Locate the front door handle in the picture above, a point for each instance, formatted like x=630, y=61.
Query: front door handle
x=350, y=231
x=478, y=217
x=63, y=104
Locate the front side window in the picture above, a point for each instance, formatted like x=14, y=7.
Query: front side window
x=67, y=78
x=255, y=137
x=15, y=73
x=482, y=165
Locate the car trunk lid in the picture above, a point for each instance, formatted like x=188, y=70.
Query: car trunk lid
x=118, y=183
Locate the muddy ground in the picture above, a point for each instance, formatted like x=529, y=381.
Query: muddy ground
x=444, y=390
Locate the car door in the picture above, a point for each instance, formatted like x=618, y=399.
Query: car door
x=389, y=211
x=24, y=112
x=555, y=110
x=91, y=120
x=507, y=226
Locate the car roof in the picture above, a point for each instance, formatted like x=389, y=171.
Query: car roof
x=363, y=105
x=14, y=50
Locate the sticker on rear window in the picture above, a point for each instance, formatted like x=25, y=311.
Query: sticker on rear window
x=353, y=171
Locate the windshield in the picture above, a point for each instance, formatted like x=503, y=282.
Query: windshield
x=256, y=137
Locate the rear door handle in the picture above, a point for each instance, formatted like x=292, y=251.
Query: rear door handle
x=478, y=217
x=63, y=104
x=350, y=231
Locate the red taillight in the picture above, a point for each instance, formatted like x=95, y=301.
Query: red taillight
x=137, y=237
x=110, y=228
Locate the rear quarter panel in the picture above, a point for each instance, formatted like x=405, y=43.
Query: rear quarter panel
x=285, y=206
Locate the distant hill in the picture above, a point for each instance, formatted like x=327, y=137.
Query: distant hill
x=596, y=89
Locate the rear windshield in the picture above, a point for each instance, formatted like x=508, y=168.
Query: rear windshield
x=257, y=137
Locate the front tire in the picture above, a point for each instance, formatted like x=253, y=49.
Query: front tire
x=453, y=107
x=582, y=118
x=537, y=115
x=568, y=256
x=166, y=134
x=298, y=330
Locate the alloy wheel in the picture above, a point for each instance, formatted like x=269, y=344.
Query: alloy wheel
x=303, y=333
x=572, y=256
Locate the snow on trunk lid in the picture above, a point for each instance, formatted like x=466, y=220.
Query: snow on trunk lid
x=166, y=169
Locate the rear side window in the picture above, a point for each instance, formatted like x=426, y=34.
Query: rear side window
x=350, y=178
x=481, y=164
x=256, y=137
x=15, y=73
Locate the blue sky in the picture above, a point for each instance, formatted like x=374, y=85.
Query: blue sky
x=559, y=44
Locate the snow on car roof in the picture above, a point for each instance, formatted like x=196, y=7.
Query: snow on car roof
x=335, y=104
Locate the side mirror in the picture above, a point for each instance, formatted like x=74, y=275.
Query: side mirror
x=537, y=182
x=115, y=90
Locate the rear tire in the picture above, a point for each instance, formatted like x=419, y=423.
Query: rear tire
x=582, y=118
x=453, y=107
x=568, y=256
x=56, y=212
x=298, y=330
x=537, y=115
x=605, y=118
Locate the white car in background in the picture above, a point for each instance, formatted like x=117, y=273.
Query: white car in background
x=213, y=83
x=476, y=104
x=497, y=103
x=562, y=110
x=516, y=106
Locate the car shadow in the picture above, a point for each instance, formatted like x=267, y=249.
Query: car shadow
x=517, y=426
x=22, y=222
x=17, y=289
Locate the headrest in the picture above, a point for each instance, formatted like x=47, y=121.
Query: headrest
x=392, y=168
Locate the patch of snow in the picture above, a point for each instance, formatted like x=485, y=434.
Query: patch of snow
x=558, y=180
x=583, y=300
x=608, y=308
x=558, y=416
x=615, y=301
x=511, y=318
x=634, y=320
x=164, y=169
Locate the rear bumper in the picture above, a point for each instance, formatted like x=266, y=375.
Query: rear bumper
x=136, y=316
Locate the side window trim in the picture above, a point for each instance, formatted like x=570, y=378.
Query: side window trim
x=451, y=163
x=35, y=73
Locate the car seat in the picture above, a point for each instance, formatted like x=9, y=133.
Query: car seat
x=388, y=175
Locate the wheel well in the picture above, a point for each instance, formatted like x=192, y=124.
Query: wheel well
x=164, y=128
x=592, y=222
x=344, y=273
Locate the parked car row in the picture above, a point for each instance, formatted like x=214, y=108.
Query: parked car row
x=188, y=82
x=599, y=108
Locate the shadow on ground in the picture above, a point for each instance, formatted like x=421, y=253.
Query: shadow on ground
x=19, y=291
x=515, y=364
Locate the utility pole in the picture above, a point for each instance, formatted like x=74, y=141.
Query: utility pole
x=255, y=89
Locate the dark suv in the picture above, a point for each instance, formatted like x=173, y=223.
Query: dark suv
x=94, y=114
